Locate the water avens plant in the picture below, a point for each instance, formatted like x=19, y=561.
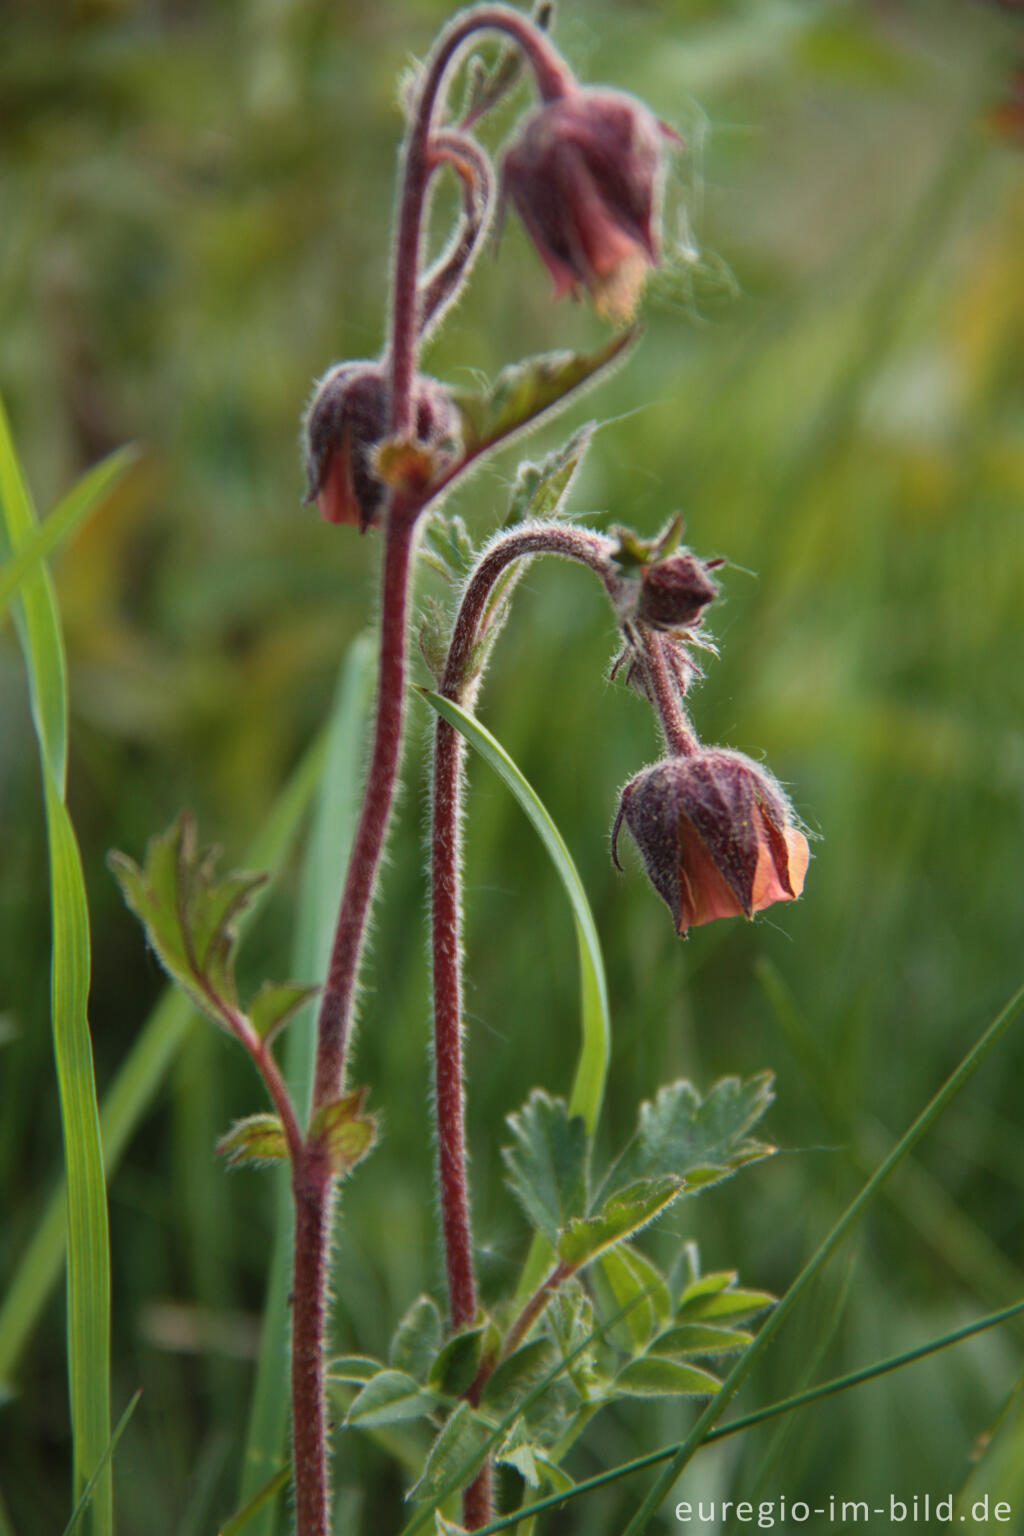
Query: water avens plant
x=592, y=1318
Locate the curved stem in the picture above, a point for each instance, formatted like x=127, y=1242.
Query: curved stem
x=439, y=287
x=553, y=79
x=663, y=688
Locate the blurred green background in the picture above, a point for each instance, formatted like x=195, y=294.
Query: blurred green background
x=194, y=216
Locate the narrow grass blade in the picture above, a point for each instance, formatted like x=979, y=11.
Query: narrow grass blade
x=749, y=1420
x=323, y=873
x=592, y=1067
x=90, y=1487
x=88, y=1294
x=588, y=1084
x=846, y=1223
x=134, y=1087
x=96, y=486
x=261, y=1499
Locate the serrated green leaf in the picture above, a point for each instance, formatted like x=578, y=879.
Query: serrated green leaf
x=734, y=1304
x=540, y=489
x=190, y=914
x=417, y=1338
x=621, y=1216
x=455, y=1368
x=517, y=1375
x=347, y=1133
x=391, y=1397
x=629, y=1279
x=547, y=1163
x=455, y=1456
x=525, y=390
x=257, y=1139
x=680, y=1134
x=649, y=1377
x=698, y=1339
x=354, y=1369
x=276, y=1004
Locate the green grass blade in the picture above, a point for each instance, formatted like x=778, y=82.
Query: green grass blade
x=90, y=1487
x=846, y=1223
x=96, y=486
x=261, y=1499
x=591, y=1071
x=592, y=1068
x=320, y=892
x=88, y=1291
x=137, y=1081
x=749, y=1420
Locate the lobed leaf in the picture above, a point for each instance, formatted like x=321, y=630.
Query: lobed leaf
x=525, y=390
x=258, y=1139
x=547, y=1164
x=390, y=1397
x=680, y=1134
x=619, y=1217
x=417, y=1339
x=540, y=490
x=347, y=1133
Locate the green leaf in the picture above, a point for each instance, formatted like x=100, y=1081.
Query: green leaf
x=90, y=1488
x=391, y=1397
x=353, y=1369
x=683, y=1135
x=648, y=1377
x=547, y=1165
x=276, y=1004
x=261, y=1500
x=348, y=1134
x=619, y=1217
x=97, y=487
x=517, y=1375
x=455, y=1456
x=540, y=490
x=417, y=1339
x=588, y=1084
x=731, y=1303
x=698, y=1339
x=133, y=1089
x=570, y=1318
x=88, y=1309
x=518, y=1450
x=258, y=1139
x=525, y=390
x=629, y=1279
x=190, y=916
x=455, y=1368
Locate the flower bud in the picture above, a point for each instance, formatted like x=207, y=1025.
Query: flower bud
x=347, y=419
x=674, y=592
x=585, y=174
x=716, y=835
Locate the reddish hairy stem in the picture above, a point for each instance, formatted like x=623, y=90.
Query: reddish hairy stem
x=335, y=1015
x=553, y=79
x=664, y=695
x=535, y=1306
x=311, y=1189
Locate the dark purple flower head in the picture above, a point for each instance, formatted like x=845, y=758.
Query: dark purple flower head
x=585, y=173
x=675, y=592
x=346, y=421
x=717, y=836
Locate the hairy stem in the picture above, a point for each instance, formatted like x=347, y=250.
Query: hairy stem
x=441, y=284
x=311, y=1188
x=665, y=693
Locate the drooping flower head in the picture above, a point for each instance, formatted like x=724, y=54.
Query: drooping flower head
x=585, y=173
x=716, y=834
x=347, y=419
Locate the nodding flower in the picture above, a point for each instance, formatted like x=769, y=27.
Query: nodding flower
x=347, y=420
x=716, y=834
x=585, y=175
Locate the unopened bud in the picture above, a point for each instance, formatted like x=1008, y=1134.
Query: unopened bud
x=675, y=592
x=585, y=173
x=346, y=421
x=716, y=834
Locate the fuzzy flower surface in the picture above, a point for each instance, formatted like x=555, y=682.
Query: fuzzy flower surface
x=585, y=175
x=716, y=834
x=345, y=423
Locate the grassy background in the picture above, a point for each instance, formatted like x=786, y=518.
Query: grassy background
x=196, y=203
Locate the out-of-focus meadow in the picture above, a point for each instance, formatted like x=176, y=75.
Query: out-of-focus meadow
x=194, y=218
